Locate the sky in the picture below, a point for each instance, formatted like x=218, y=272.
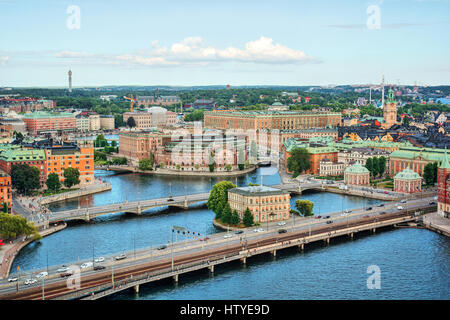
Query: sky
x=236, y=42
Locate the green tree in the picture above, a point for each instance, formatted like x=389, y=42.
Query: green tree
x=381, y=165
x=228, y=167
x=235, y=219
x=53, y=182
x=144, y=164
x=131, y=122
x=71, y=177
x=430, y=173
x=299, y=161
x=248, y=218
x=5, y=207
x=25, y=178
x=369, y=165
x=375, y=166
x=406, y=121
x=219, y=195
x=13, y=226
x=305, y=207
x=100, y=141
x=211, y=162
x=227, y=214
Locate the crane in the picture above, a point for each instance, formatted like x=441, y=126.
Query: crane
x=131, y=101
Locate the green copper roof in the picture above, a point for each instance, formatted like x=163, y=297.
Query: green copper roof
x=445, y=164
x=407, y=174
x=16, y=153
x=43, y=115
x=356, y=168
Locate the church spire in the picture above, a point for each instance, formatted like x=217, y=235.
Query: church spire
x=445, y=164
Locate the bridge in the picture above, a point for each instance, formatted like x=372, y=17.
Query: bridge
x=137, y=207
x=198, y=255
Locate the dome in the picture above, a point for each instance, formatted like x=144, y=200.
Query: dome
x=408, y=174
x=356, y=168
x=157, y=110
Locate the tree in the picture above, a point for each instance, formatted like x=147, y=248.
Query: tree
x=114, y=143
x=144, y=164
x=71, y=177
x=248, y=218
x=406, y=120
x=375, y=166
x=381, y=165
x=227, y=214
x=12, y=226
x=100, y=141
x=430, y=173
x=131, y=122
x=305, y=207
x=5, y=207
x=299, y=161
x=369, y=165
x=219, y=195
x=211, y=162
x=53, y=182
x=235, y=219
x=228, y=167
x=25, y=178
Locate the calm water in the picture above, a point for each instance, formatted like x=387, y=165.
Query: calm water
x=417, y=258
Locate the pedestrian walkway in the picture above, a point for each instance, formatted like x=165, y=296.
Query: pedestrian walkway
x=436, y=222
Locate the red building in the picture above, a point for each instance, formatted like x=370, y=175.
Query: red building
x=443, y=179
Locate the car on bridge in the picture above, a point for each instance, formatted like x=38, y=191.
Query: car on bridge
x=99, y=259
x=318, y=217
x=432, y=202
x=204, y=239
x=400, y=208
x=239, y=232
x=66, y=274
x=42, y=274
x=382, y=212
x=329, y=221
x=162, y=247
x=326, y=217
x=13, y=279
x=403, y=201
x=170, y=199
x=282, y=223
x=120, y=257
x=86, y=265
x=369, y=208
x=30, y=281
x=227, y=236
x=381, y=205
x=282, y=231
x=62, y=269
x=99, y=267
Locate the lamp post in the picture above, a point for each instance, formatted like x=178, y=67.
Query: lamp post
x=170, y=186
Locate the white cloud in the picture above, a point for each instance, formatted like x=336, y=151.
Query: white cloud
x=193, y=51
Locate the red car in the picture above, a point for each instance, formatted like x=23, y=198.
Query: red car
x=318, y=217
x=204, y=239
x=66, y=274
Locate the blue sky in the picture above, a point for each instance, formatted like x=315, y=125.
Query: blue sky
x=246, y=42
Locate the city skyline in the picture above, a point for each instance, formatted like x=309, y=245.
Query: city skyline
x=290, y=43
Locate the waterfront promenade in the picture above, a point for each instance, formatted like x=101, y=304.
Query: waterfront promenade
x=437, y=223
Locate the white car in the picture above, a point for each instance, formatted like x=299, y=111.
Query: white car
x=14, y=279
x=86, y=265
x=42, y=274
x=400, y=208
x=30, y=281
x=282, y=223
x=63, y=269
x=227, y=236
x=100, y=259
x=258, y=230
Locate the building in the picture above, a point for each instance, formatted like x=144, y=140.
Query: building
x=13, y=124
x=407, y=181
x=282, y=120
x=83, y=124
x=330, y=168
x=414, y=158
x=107, y=122
x=390, y=111
x=204, y=104
x=94, y=122
x=147, y=101
x=62, y=155
x=143, y=120
x=17, y=154
x=443, y=180
x=5, y=190
x=265, y=203
x=70, y=80
x=277, y=106
x=357, y=175
x=360, y=155
x=137, y=145
x=46, y=122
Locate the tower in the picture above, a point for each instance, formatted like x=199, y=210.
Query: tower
x=390, y=110
x=443, y=180
x=70, y=80
x=382, y=92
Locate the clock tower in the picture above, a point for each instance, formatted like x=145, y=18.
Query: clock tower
x=390, y=111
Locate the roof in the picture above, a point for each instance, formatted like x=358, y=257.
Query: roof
x=408, y=174
x=356, y=168
x=44, y=114
x=15, y=153
x=257, y=191
x=445, y=164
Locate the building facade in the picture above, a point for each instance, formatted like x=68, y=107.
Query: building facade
x=443, y=180
x=5, y=190
x=357, y=175
x=407, y=181
x=281, y=120
x=107, y=122
x=45, y=122
x=265, y=203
